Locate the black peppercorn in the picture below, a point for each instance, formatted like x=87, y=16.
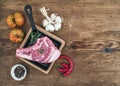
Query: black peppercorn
x=19, y=71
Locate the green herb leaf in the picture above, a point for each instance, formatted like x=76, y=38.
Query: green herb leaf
x=34, y=36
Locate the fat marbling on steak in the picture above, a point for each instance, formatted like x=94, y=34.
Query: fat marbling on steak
x=43, y=51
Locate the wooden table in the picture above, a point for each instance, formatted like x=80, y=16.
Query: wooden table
x=88, y=27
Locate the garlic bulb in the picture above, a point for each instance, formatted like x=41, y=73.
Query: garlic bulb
x=52, y=22
x=57, y=26
x=49, y=27
x=52, y=16
x=45, y=22
x=58, y=19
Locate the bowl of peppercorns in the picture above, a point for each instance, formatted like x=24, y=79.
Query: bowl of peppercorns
x=18, y=72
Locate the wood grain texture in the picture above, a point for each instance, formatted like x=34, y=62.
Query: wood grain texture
x=88, y=27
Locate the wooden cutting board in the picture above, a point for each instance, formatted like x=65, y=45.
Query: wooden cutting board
x=59, y=43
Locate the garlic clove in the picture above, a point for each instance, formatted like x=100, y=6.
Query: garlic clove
x=52, y=16
x=58, y=19
x=49, y=27
x=45, y=22
x=57, y=26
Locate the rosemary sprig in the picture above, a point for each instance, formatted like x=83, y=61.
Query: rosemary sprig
x=34, y=36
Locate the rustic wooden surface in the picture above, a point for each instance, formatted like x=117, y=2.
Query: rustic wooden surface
x=88, y=27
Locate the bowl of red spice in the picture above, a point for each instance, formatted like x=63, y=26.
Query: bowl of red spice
x=18, y=72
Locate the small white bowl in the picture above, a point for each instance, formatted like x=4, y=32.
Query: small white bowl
x=13, y=74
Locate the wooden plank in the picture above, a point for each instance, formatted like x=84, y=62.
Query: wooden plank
x=88, y=27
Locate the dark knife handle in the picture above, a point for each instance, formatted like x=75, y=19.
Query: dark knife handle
x=28, y=10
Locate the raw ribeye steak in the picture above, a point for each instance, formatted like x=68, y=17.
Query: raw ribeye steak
x=43, y=51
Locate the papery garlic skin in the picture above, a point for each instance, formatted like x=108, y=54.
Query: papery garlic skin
x=49, y=27
x=45, y=22
x=44, y=12
x=52, y=16
x=57, y=26
x=52, y=22
x=58, y=19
